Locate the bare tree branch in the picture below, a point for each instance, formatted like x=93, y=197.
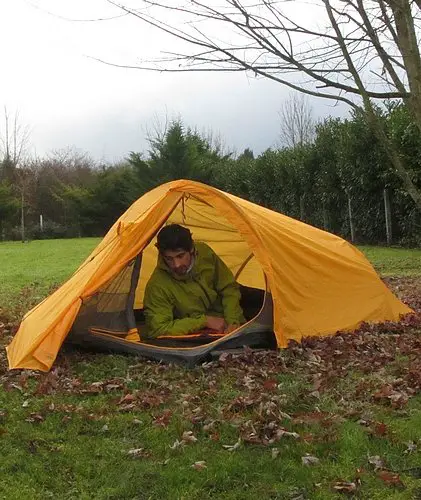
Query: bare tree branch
x=352, y=51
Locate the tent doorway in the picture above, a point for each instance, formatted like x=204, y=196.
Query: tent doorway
x=113, y=317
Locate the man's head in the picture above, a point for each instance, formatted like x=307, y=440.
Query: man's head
x=175, y=244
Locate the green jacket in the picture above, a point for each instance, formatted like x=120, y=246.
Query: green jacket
x=177, y=305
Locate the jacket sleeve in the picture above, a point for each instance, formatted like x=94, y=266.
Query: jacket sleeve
x=229, y=291
x=159, y=316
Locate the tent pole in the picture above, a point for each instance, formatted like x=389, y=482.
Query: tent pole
x=131, y=320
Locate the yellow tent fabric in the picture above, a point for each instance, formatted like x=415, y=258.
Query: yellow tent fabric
x=319, y=283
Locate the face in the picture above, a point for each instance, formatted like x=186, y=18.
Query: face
x=178, y=260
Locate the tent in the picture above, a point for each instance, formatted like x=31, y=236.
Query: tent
x=300, y=280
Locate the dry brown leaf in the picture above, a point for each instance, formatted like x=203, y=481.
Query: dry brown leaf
x=128, y=398
x=380, y=429
x=34, y=417
x=390, y=478
x=270, y=385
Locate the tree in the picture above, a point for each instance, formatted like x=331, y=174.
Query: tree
x=9, y=206
x=176, y=153
x=14, y=143
x=297, y=123
x=364, y=51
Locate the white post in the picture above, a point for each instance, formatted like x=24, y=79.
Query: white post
x=351, y=220
x=41, y=223
x=22, y=215
x=388, y=216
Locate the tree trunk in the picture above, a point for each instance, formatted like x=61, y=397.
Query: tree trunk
x=408, y=47
x=302, y=208
x=388, y=216
x=325, y=218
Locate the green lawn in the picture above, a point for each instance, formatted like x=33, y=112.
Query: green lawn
x=102, y=426
x=29, y=270
x=394, y=261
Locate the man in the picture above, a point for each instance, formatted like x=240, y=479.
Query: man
x=191, y=288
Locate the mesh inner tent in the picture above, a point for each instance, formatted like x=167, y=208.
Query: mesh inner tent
x=110, y=309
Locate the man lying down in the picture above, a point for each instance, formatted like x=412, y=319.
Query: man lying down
x=191, y=289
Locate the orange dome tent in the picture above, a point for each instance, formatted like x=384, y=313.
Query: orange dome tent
x=312, y=282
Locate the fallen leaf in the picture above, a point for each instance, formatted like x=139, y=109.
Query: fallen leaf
x=105, y=428
x=411, y=447
x=200, y=465
x=224, y=356
x=25, y=404
x=188, y=437
x=377, y=462
x=164, y=419
x=232, y=447
x=380, y=429
x=345, y=486
x=128, y=398
x=138, y=452
x=281, y=433
x=270, y=385
x=34, y=417
x=112, y=387
x=176, y=444
x=390, y=478
x=209, y=426
x=215, y=436
x=309, y=460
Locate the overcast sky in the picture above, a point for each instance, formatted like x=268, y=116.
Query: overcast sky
x=70, y=100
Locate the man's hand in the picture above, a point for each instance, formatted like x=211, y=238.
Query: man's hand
x=215, y=323
x=231, y=328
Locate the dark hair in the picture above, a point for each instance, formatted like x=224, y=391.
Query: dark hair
x=174, y=237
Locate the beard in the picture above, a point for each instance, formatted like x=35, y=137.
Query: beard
x=181, y=271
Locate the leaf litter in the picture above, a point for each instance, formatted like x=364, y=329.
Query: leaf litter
x=387, y=356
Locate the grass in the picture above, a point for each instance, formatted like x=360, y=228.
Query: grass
x=38, y=265
x=69, y=434
x=390, y=261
